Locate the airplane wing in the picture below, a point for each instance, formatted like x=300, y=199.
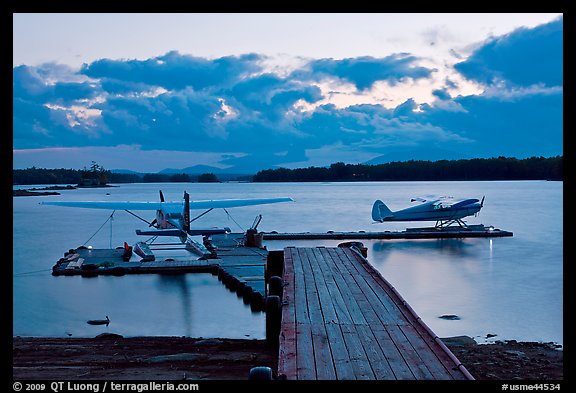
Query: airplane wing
x=223, y=203
x=167, y=206
x=111, y=205
x=453, y=203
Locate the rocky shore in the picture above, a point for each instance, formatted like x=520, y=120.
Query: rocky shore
x=113, y=357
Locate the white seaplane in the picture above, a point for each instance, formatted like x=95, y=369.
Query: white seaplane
x=172, y=217
x=446, y=211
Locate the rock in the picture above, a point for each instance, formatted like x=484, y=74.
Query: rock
x=460, y=341
x=520, y=354
x=209, y=341
x=450, y=317
x=109, y=336
x=178, y=357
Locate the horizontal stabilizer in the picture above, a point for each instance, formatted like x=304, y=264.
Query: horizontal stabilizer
x=209, y=231
x=161, y=232
x=178, y=232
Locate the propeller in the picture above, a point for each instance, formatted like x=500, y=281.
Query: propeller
x=155, y=221
x=481, y=205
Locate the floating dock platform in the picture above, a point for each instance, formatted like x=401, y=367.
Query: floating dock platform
x=410, y=233
x=341, y=320
x=241, y=268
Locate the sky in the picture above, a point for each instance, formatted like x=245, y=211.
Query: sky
x=245, y=92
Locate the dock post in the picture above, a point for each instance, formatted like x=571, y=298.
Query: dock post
x=273, y=320
x=274, y=264
x=275, y=287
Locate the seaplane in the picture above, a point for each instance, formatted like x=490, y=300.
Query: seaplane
x=446, y=211
x=172, y=217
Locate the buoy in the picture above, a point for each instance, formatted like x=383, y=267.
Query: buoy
x=260, y=373
x=99, y=321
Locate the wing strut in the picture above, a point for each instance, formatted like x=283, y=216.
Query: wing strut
x=206, y=212
x=140, y=218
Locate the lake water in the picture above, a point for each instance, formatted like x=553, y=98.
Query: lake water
x=511, y=287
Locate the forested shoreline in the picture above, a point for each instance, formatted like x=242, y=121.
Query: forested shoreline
x=72, y=176
x=501, y=168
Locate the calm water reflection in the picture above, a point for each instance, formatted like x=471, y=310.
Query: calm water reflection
x=511, y=287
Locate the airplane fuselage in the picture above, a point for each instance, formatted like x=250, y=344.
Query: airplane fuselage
x=168, y=220
x=440, y=210
x=430, y=212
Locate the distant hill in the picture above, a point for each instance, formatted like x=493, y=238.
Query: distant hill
x=125, y=171
x=417, y=155
x=194, y=170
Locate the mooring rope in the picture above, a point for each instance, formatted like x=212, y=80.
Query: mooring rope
x=31, y=272
x=232, y=218
x=102, y=226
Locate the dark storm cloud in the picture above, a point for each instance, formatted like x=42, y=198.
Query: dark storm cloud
x=523, y=57
x=230, y=105
x=176, y=71
x=270, y=96
x=521, y=125
x=441, y=94
x=364, y=71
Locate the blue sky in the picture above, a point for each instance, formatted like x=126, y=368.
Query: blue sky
x=253, y=91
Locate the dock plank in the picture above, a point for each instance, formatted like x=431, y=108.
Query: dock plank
x=350, y=292
x=409, y=353
x=305, y=366
x=434, y=364
x=378, y=361
x=326, y=301
x=388, y=311
x=322, y=354
x=351, y=324
x=340, y=355
x=338, y=290
x=287, y=348
x=360, y=363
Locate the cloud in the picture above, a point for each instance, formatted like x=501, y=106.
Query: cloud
x=441, y=94
x=523, y=57
x=364, y=71
x=235, y=110
x=176, y=71
x=508, y=124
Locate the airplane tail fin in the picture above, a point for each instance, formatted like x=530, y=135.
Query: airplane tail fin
x=380, y=211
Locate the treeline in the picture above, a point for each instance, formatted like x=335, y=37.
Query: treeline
x=72, y=176
x=501, y=168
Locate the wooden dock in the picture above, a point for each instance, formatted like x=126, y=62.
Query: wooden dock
x=341, y=320
x=240, y=268
x=410, y=233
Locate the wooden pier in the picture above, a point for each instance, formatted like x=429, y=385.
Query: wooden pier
x=339, y=319
x=410, y=233
x=240, y=268
x=331, y=315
